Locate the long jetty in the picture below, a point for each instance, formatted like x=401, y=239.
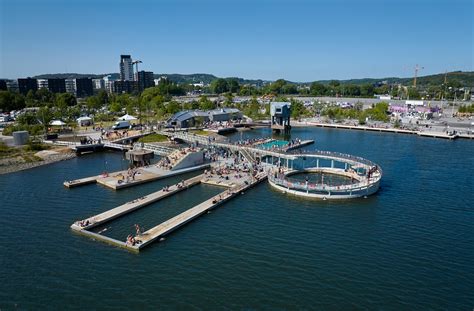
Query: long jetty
x=390, y=130
x=149, y=174
x=83, y=227
x=128, y=207
x=178, y=221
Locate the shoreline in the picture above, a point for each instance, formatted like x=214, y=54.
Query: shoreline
x=433, y=134
x=7, y=169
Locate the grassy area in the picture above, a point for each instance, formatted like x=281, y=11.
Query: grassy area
x=6, y=151
x=153, y=138
x=201, y=132
x=27, y=152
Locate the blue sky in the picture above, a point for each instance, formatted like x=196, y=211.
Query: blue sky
x=295, y=40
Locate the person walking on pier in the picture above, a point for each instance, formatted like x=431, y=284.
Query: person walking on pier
x=137, y=230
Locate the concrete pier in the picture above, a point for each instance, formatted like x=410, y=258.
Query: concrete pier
x=176, y=222
x=391, y=130
x=135, y=204
x=117, y=180
x=81, y=181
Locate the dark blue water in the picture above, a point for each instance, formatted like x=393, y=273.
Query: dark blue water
x=409, y=247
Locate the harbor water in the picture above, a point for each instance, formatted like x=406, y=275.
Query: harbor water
x=408, y=247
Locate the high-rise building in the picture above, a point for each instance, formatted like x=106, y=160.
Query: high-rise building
x=57, y=85
x=126, y=68
x=145, y=79
x=25, y=85
x=84, y=87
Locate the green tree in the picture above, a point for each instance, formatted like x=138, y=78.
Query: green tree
x=367, y=90
x=277, y=86
x=44, y=96
x=28, y=118
x=233, y=85
x=11, y=101
x=172, y=107
x=219, y=86
x=413, y=93
x=103, y=97
x=252, y=108
x=289, y=88
x=65, y=100
x=297, y=109
x=205, y=103
x=45, y=115
x=93, y=102
x=334, y=83
x=30, y=99
x=317, y=89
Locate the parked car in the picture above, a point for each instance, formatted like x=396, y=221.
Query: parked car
x=121, y=125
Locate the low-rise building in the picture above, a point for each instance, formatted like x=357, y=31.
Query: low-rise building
x=191, y=118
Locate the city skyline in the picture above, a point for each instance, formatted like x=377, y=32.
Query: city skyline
x=254, y=41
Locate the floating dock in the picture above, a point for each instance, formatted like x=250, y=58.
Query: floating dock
x=137, y=203
x=176, y=222
x=117, y=180
x=172, y=224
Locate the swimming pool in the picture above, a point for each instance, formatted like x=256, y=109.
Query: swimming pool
x=273, y=143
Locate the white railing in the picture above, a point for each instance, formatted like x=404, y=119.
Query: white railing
x=158, y=149
x=302, y=186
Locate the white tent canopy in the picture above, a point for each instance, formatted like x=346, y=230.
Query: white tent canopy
x=127, y=117
x=57, y=123
x=83, y=119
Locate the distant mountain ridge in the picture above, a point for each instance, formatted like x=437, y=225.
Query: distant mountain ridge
x=464, y=78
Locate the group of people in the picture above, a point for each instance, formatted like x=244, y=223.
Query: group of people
x=89, y=141
x=169, y=161
x=83, y=223
x=132, y=240
x=371, y=171
x=252, y=141
x=181, y=184
x=130, y=176
x=214, y=125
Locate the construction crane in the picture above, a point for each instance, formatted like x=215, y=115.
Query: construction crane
x=417, y=68
x=136, y=62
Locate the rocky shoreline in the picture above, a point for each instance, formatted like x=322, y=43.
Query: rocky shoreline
x=15, y=167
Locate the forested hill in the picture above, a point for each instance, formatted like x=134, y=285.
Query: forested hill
x=461, y=78
x=464, y=78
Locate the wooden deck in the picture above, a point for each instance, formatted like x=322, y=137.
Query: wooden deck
x=115, y=180
x=176, y=222
x=81, y=181
x=135, y=204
